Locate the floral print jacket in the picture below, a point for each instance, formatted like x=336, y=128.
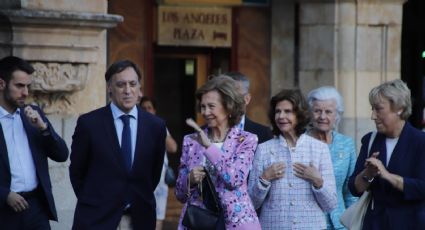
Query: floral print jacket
x=231, y=165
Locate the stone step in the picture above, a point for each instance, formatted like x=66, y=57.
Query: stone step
x=174, y=208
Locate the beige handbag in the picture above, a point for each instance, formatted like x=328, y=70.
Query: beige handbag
x=352, y=218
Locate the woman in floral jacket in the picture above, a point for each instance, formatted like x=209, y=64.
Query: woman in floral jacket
x=221, y=149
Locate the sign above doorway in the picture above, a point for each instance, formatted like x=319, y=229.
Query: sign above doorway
x=203, y=2
x=215, y=2
x=195, y=26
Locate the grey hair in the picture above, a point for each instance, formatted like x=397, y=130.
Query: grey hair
x=327, y=93
x=397, y=93
x=240, y=77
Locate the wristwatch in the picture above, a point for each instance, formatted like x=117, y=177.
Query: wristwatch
x=367, y=179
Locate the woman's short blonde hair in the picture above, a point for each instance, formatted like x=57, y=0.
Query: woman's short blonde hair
x=397, y=93
x=232, y=100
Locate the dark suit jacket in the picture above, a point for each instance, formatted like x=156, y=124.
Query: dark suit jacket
x=102, y=184
x=263, y=132
x=394, y=209
x=42, y=147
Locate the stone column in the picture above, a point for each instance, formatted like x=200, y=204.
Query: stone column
x=66, y=43
x=354, y=46
x=283, y=46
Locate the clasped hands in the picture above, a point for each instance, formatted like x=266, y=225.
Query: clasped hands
x=374, y=167
x=306, y=172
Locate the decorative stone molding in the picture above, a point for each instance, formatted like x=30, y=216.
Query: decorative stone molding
x=64, y=47
x=59, y=77
x=54, y=84
x=54, y=36
x=55, y=103
x=62, y=18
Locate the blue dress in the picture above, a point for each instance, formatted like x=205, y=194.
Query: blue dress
x=343, y=155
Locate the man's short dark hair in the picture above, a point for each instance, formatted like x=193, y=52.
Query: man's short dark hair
x=146, y=99
x=119, y=66
x=10, y=64
x=238, y=76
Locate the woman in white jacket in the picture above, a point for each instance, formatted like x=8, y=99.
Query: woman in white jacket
x=292, y=178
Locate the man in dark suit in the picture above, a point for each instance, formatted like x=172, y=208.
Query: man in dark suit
x=27, y=139
x=117, y=154
x=263, y=133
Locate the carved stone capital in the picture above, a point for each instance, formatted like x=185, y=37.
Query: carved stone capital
x=59, y=77
x=55, y=103
x=54, y=85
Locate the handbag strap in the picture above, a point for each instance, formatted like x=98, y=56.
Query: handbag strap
x=210, y=186
x=372, y=138
x=207, y=182
x=188, y=187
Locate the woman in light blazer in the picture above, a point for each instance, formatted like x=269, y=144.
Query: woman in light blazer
x=222, y=149
x=326, y=109
x=292, y=179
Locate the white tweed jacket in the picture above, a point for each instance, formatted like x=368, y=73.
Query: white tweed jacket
x=292, y=202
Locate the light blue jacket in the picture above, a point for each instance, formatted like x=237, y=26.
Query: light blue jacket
x=343, y=155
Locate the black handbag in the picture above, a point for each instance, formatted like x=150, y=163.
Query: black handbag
x=209, y=218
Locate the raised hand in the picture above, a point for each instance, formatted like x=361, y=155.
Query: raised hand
x=34, y=118
x=190, y=122
x=203, y=139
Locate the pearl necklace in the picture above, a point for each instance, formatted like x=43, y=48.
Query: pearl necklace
x=218, y=140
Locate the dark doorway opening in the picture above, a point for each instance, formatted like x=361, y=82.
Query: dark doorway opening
x=413, y=57
x=178, y=72
x=174, y=84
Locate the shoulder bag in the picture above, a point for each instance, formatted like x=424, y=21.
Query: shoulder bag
x=352, y=218
x=209, y=218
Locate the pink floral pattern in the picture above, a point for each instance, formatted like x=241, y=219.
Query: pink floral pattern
x=232, y=164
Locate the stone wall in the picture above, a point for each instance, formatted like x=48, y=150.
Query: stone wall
x=65, y=41
x=352, y=45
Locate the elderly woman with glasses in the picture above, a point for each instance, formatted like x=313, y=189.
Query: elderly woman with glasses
x=394, y=169
x=292, y=179
x=326, y=109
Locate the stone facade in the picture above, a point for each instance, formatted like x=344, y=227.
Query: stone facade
x=352, y=45
x=66, y=43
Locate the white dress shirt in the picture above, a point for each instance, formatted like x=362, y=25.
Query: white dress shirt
x=22, y=169
x=119, y=125
x=241, y=124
